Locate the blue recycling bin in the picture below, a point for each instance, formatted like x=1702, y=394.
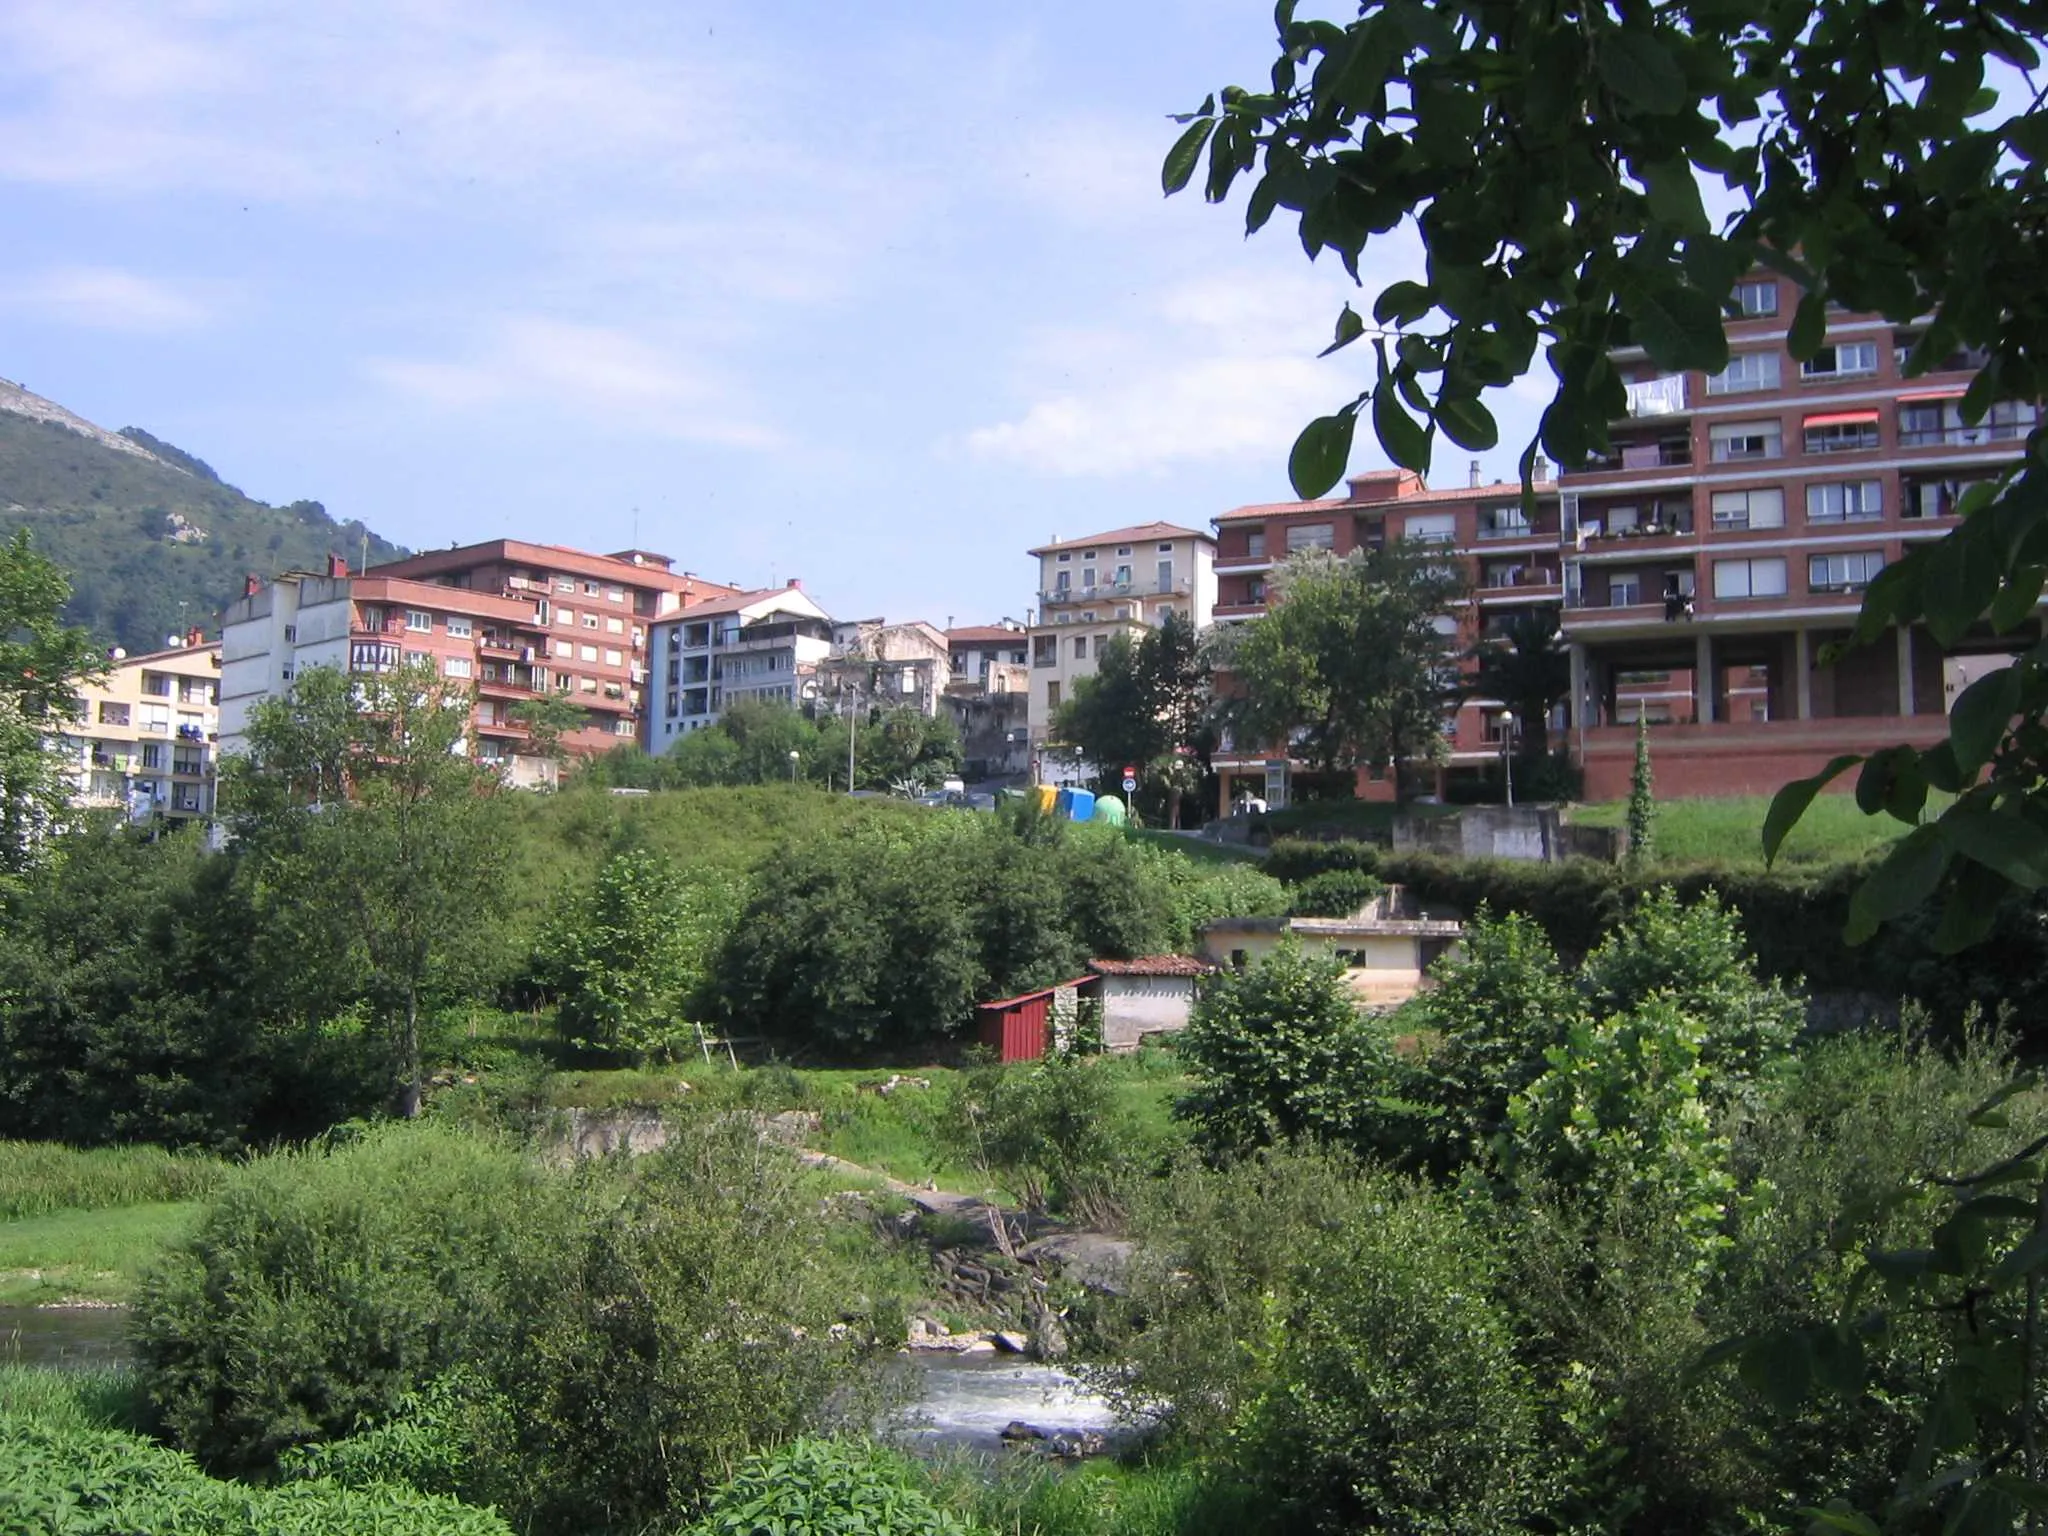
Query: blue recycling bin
x=1080, y=803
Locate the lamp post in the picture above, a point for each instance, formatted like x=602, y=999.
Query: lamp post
x=795, y=757
x=1507, y=752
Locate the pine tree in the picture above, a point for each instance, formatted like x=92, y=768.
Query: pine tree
x=1642, y=802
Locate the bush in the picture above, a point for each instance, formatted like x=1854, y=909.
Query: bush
x=1334, y=893
x=1044, y=1125
x=1295, y=859
x=848, y=1487
x=1280, y=1051
x=646, y=1327
x=97, y=1482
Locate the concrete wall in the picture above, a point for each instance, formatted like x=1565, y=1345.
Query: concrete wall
x=1533, y=832
x=1136, y=1006
x=1382, y=969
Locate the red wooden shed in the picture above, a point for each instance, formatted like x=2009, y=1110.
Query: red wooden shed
x=1020, y=1028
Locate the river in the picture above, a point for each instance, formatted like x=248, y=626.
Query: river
x=965, y=1400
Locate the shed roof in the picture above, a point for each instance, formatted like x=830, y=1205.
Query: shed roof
x=1152, y=965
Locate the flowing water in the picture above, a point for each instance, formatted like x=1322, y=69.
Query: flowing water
x=967, y=1400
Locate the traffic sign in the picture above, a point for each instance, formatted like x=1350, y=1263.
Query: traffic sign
x=1130, y=783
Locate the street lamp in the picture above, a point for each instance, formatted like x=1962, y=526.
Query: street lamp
x=795, y=757
x=1507, y=752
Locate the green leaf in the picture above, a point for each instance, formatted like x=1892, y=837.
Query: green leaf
x=1405, y=440
x=1321, y=453
x=1809, y=327
x=1349, y=329
x=2029, y=1255
x=1641, y=68
x=1186, y=151
x=1906, y=878
x=1978, y=720
x=1467, y=423
x=1674, y=195
x=1960, y=579
x=1779, y=1368
x=1893, y=784
x=2000, y=840
x=1790, y=803
x=2028, y=137
x=1402, y=303
x=1839, y=1517
x=1677, y=324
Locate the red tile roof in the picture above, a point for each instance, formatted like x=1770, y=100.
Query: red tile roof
x=1152, y=965
x=984, y=634
x=554, y=557
x=1136, y=535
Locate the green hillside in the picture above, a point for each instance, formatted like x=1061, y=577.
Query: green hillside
x=155, y=541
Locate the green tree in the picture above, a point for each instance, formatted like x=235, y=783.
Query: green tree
x=43, y=663
x=1149, y=707
x=548, y=718
x=1550, y=162
x=629, y=957
x=1350, y=663
x=1526, y=668
x=1642, y=800
x=1110, y=716
x=376, y=840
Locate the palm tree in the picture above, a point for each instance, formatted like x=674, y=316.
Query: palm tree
x=1526, y=668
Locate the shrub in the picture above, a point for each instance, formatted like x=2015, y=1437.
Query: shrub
x=1334, y=893
x=1295, y=859
x=850, y=1488
x=1044, y=1125
x=1279, y=1051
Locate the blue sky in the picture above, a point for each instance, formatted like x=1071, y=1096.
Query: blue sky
x=877, y=295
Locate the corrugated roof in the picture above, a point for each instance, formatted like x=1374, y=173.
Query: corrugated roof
x=1135, y=535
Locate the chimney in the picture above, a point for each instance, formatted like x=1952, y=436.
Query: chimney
x=1475, y=474
x=795, y=585
x=336, y=566
x=251, y=584
x=195, y=636
x=1540, y=471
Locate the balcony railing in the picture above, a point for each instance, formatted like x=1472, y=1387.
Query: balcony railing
x=1965, y=437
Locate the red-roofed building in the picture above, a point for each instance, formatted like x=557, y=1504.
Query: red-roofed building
x=739, y=645
x=1094, y=588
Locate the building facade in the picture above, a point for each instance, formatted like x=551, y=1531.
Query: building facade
x=1725, y=544
x=743, y=645
x=895, y=666
x=1091, y=590
x=989, y=696
x=145, y=743
x=1508, y=553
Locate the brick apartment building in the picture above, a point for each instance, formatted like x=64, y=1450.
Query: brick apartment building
x=1702, y=569
x=145, y=740
x=1728, y=540
x=518, y=620
x=1510, y=557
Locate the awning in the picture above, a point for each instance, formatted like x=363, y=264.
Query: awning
x=1932, y=394
x=1842, y=419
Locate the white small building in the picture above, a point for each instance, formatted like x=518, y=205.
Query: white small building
x=1151, y=995
x=752, y=645
x=1387, y=947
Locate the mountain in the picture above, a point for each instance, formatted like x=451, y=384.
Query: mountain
x=155, y=541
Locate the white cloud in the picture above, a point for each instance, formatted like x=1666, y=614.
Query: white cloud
x=106, y=299
x=590, y=371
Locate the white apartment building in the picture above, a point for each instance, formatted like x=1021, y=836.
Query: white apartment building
x=1121, y=582
x=751, y=645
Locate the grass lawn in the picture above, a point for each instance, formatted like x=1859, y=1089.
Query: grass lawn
x=1728, y=831
x=84, y=1255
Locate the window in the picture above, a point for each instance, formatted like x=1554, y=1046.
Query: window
x=1064, y=559
x=1166, y=549
x=1934, y=497
x=1052, y=694
x=1123, y=549
x=586, y=653
x=590, y=621
x=1123, y=610
x=674, y=699
x=614, y=626
x=1733, y=441
x=565, y=615
x=614, y=658
x=1311, y=536
x=372, y=656
x=587, y=684
x=1088, y=616
x=1746, y=371
x=1062, y=581
x=1088, y=579
x=156, y=684
x=418, y=658
x=564, y=648
x=1165, y=575
x=1255, y=590
x=1045, y=650
x=1851, y=501
x=1738, y=510
x=1749, y=578
x=614, y=594
x=1842, y=432
x=1123, y=576
x=1430, y=528
x=1080, y=647
x=590, y=589
x=373, y=618
x=1756, y=298
x=1845, y=360
x=113, y=714
x=1087, y=555
x=419, y=623
x=1503, y=522
x=153, y=754
x=1624, y=591
x=458, y=629
x=456, y=666
x=565, y=584
x=1849, y=572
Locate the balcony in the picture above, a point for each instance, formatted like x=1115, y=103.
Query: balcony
x=1519, y=578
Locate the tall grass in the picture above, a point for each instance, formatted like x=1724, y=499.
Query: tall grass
x=38, y=1178
x=102, y=1397
x=1174, y=1498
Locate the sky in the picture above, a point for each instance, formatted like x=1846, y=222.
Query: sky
x=877, y=296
